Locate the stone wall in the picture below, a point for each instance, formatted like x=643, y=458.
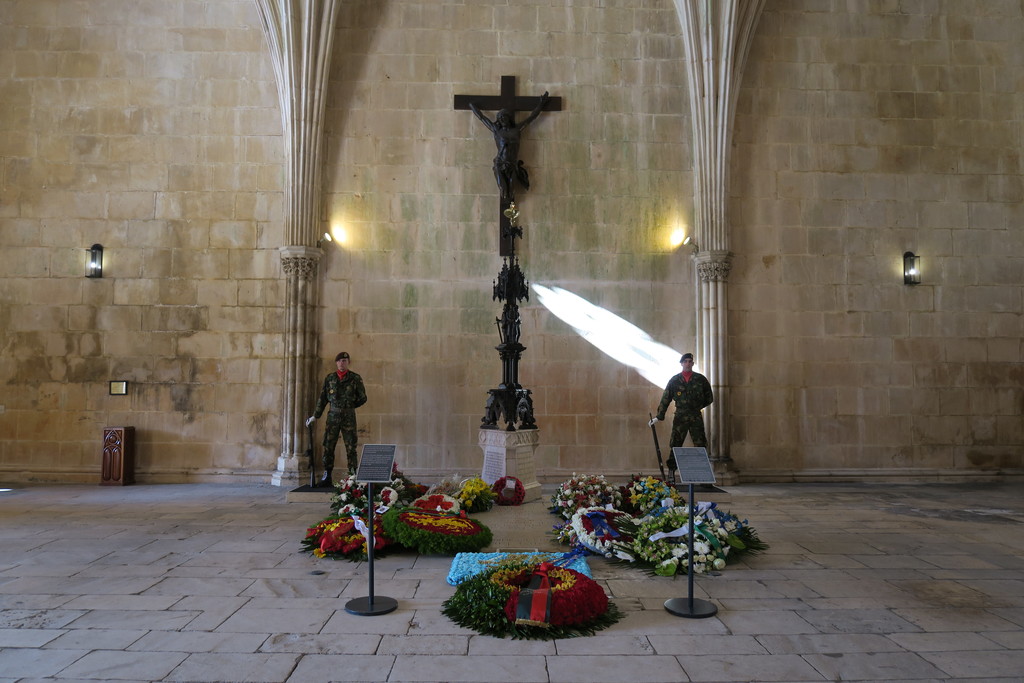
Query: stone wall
x=410, y=189
x=151, y=128
x=863, y=131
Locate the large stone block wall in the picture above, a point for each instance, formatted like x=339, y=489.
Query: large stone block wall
x=864, y=132
x=410, y=185
x=151, y=128
x=864, y=129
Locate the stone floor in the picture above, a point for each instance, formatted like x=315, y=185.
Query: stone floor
x=204, y=582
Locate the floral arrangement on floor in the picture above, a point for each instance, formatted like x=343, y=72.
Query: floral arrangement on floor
x=584, y=491
x=466, y=565
x=434, y=533
x=531, y=600
x=475, y=495
x=648, y=527
x=509, y=491
x=595, y=529
x=340, y=538
x=437, y=502
x=659, y=542
x=644, y=493
x=350, y=496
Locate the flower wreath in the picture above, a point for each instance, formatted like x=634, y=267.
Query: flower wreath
x=489, y=601
x=584, y=490
x=599, y=529
x=437, y=502
x=645, y=494
x=475, y=495
x=338, y=539
x=660, y=542
x=500, y=489
x=435, y=533
x=466, y=565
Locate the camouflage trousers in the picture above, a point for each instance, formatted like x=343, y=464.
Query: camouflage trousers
x=682, y=424
x=341, y=423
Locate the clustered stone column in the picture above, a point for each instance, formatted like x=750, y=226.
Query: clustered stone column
x=717, y=37
x=712, y=346
x=301, y=35
x=300, y=266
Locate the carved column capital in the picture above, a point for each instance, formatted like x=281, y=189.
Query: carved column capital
x=714, y=266
x=300, y=261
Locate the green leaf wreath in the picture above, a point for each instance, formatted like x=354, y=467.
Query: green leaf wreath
x=435, y=533
x=486, y=604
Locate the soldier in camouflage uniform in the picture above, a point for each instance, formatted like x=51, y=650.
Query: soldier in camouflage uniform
x=344, y=392
x=691, y=392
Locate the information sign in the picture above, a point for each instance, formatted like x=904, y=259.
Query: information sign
x=694, y=465
x=376, y=464
x=494, y=465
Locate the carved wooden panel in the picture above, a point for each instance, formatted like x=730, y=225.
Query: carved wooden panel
x=118, y=456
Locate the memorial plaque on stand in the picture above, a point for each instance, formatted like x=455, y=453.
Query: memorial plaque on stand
x=375, y=467
x=694, y=465
x=694, y=468
x=377, y=464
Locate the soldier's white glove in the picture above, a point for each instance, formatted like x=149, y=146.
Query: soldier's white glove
x=310, y=420
x=651, y=423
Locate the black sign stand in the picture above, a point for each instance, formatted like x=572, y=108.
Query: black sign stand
x=694, y=468
x=375, y=466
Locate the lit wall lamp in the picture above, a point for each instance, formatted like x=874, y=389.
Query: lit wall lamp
x=691, y=243
x=911, y=269
x=94, y=267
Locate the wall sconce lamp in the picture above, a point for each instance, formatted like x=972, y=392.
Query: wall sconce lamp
x=911, y=268
x=94, y=266
x=118, y=387
x=691, y=243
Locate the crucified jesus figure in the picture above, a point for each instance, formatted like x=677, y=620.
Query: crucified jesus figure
x=507, y=165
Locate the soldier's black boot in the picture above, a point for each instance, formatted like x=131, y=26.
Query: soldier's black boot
x=326, y=481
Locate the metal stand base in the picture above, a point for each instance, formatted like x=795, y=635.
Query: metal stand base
x=691, y=608
x=371, y=606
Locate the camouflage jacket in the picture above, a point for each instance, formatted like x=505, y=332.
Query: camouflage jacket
x=690, y=397
x=341, y=394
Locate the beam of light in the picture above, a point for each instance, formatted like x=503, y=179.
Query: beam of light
x=615, y=337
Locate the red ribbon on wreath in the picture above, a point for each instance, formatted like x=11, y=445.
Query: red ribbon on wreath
x=501, y=489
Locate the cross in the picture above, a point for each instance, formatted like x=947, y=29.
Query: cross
x=507, y=100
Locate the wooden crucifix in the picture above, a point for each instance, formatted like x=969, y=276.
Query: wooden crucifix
x=508, y=168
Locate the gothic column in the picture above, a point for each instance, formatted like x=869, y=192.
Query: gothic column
x=300, y=34
x=717, y=36
x=712, y=345
x=300, y=267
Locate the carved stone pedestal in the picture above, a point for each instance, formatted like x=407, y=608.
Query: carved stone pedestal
x=510, y=454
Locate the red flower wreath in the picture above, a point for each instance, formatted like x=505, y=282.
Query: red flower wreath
x=503, y=498
x=575, y=598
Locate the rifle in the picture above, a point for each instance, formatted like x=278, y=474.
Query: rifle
x=661, y=464
x=312, y=460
